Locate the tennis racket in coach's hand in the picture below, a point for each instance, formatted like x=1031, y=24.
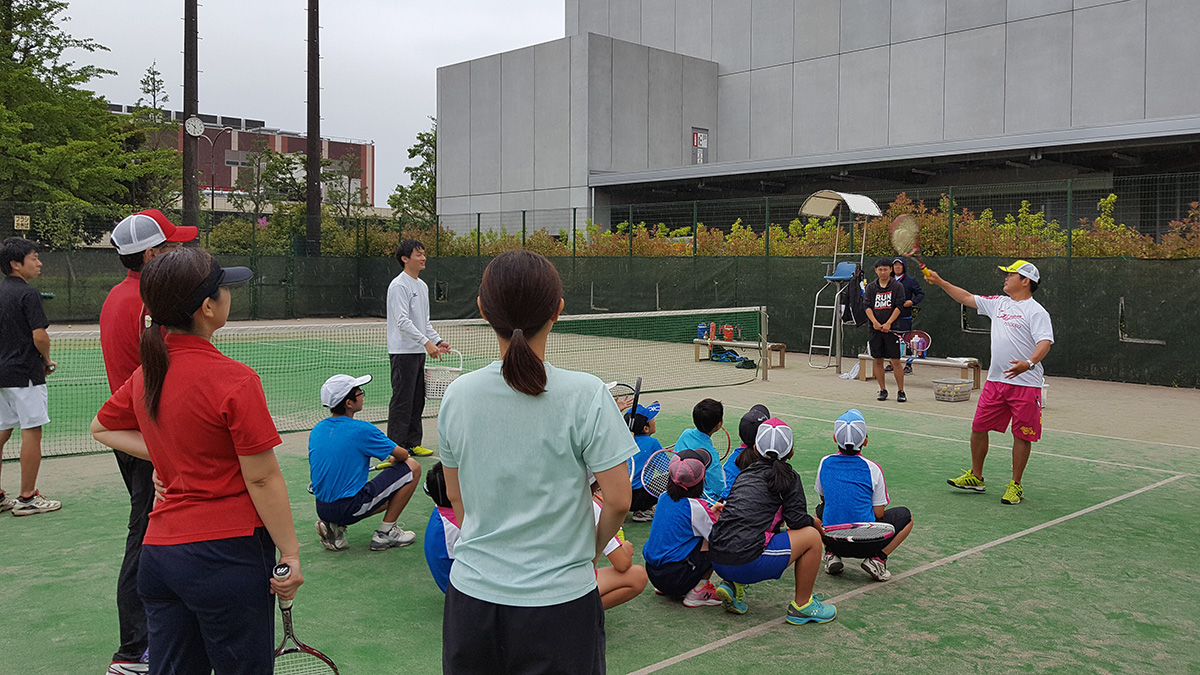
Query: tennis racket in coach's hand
x=906, y=240
x=299, y=658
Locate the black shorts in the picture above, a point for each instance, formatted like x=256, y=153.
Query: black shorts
x=372, y=497
x=898, y=517
x=486, y=638
x=883, y=345
x=642, y=500
x=677, y=578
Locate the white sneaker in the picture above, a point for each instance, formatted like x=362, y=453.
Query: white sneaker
x=333, y=537
x=644, y=516
x=36, y=504
x=6, y=503
x=877, y=568
x=127, y=668
x=833, y=563
x=393, y=538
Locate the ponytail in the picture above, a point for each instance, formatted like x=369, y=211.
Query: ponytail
x=522, y=369
x=520, y=293
x=155, y=361
x=782, y=478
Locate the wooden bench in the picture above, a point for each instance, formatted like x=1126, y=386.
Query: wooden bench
x=972, y=366
x=771, y=347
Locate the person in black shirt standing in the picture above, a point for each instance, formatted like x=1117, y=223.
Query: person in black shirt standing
x=24, y=364
x=884, y=299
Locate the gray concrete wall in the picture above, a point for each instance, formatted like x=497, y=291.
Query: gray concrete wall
x=523, y=130
x=803, y=77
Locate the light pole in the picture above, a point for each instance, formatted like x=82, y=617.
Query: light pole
x=212, y=178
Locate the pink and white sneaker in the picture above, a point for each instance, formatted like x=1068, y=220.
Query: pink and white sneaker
x=702, y=596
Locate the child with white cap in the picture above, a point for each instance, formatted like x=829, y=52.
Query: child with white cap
x=339, y=452
x=745, y=547
x=852, y=490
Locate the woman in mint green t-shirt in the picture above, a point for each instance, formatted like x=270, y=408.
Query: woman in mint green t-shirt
x=516, y=439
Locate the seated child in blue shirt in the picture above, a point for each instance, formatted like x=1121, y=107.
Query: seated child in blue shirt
x=642, y=422
x=676, y=551
x=747, y=428
x=708, y=416
x=852, y=490
x=441, y=534
x=339, y=452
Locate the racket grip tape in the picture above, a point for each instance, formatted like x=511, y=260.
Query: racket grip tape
x=282, y=572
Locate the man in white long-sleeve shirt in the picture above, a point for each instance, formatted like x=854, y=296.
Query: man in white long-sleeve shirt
x=410, y=337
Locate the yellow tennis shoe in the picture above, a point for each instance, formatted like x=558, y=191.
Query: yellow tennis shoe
x=420, y=451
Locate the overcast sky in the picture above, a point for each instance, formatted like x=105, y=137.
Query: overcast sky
x=379, y=71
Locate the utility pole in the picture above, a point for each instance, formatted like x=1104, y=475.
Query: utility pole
x=191, y=106
x=313, y=169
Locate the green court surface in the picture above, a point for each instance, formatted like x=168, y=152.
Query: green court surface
x=1094, y=572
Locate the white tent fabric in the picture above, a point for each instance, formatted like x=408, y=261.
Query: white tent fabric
x=822, y=204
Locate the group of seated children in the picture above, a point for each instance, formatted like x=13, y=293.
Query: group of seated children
x=730, y=519
x=747, y=520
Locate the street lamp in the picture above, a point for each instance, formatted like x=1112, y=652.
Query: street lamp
x=196, y=128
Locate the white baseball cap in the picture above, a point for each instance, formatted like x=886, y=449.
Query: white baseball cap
x=147, y=229
x=336, y=388
x=774, y=438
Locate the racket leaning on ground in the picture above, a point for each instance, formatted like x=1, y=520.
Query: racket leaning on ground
x=657, y=472
x=299, y=658
x=906, y=240
x=859, y=533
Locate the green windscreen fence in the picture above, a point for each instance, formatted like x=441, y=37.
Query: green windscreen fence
x=294, y=360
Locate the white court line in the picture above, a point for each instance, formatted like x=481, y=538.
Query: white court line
x=957, y=417
x=1035, y=452
x=768, y=625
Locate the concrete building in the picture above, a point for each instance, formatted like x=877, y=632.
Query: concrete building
x=659, y=100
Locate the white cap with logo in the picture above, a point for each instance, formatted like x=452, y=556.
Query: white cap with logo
x=336, y=388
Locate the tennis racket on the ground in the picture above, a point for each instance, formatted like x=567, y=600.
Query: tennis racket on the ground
x=298, y=659
x=728, y=444
x=859, y=533
x=656, y=475
x=905, y=235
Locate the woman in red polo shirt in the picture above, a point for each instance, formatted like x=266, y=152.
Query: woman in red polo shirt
x=202, y=419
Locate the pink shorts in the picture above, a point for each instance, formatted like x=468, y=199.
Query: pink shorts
x=1002, y=402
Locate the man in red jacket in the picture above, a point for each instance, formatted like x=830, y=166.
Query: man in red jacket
x=139, y=239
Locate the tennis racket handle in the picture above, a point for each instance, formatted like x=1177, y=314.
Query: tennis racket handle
x=281, y=572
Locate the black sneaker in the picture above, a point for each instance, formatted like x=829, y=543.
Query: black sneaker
x=900, y=397
x=882, y=395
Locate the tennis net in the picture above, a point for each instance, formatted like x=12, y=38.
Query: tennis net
x=293, y=360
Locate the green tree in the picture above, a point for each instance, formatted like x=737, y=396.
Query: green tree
x=416, y=204
x=153, y=164
x=58, y=142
